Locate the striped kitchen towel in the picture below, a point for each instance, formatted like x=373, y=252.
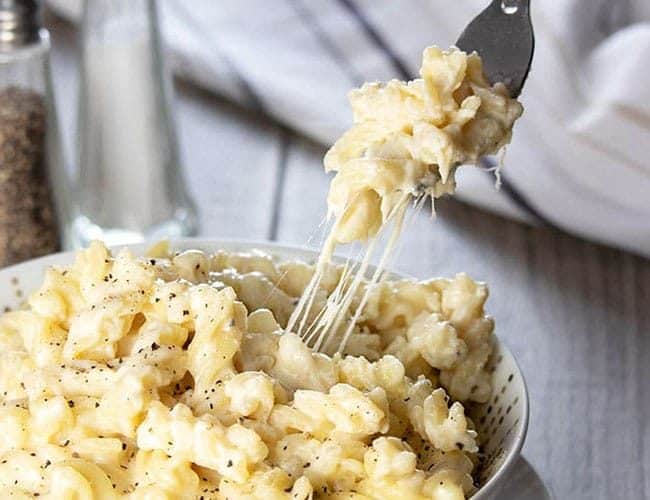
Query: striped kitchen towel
x=579, y=159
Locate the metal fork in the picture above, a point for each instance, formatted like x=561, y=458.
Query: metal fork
x=503, y=36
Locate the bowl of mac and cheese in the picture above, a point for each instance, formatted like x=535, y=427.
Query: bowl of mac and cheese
x=168, y=372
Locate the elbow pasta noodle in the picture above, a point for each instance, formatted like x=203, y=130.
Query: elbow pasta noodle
x=148, y=378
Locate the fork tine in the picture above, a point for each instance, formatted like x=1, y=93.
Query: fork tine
x=503, y=36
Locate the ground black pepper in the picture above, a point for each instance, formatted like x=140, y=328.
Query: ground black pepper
x=27, y=222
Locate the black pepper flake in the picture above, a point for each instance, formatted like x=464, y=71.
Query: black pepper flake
x=229, y=464
x=71, y=403
x=154, y=346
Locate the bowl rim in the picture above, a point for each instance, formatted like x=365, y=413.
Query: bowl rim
x=499, y=479
x=490, y=487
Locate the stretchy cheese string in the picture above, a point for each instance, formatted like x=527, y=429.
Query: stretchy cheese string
x=327, y=322
x=336, y=312
x=334, y=297
x=394, y=237
x=306, y=301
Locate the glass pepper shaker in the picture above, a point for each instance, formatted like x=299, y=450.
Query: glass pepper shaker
x=130, y=187
x=31, y=167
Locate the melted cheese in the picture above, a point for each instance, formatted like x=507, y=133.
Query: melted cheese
x=406, y=142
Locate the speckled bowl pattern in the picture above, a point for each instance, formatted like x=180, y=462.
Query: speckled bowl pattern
x=501, y=422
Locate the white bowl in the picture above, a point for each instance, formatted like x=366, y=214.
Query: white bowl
x=502, y=421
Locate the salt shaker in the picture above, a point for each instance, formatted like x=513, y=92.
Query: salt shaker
x=130, y=187
x=31, y=165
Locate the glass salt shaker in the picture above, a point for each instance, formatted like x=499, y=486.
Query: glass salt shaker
x=32, y=175
x=130, y=186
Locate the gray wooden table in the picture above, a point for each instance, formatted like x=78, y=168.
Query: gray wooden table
x=575, y=314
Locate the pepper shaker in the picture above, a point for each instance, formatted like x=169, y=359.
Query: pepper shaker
x=31, y=167
x=131, y=186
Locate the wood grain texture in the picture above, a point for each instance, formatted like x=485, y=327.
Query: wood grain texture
x=231, y=159
x=576, y=315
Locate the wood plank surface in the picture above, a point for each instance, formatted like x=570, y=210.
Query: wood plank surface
x=576, y=315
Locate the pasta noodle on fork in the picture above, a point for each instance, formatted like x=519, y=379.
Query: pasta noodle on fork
x=405, y=144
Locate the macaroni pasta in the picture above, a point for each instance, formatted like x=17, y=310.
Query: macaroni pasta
x=145, y=378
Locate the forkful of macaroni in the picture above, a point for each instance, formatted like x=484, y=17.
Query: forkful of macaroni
x=405, y=144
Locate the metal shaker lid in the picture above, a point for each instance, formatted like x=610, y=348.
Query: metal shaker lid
x=20, y=21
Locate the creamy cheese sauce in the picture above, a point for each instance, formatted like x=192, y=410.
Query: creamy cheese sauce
x=235, y=376
x=406, y=142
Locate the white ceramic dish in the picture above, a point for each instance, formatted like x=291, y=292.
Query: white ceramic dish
x=502, y=421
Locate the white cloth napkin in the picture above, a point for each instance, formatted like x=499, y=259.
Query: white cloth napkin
x=579, y=158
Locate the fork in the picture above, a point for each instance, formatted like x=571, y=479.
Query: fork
x=503, y=36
